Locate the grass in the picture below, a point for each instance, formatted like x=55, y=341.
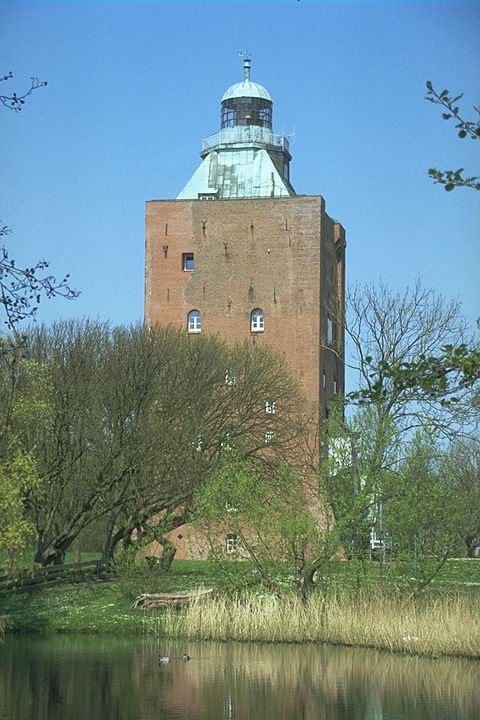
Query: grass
x=433, y=626
x=442, y=621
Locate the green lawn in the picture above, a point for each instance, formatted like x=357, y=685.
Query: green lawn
x=107, y=606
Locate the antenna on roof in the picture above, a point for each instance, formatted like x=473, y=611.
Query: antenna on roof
x=246, y=63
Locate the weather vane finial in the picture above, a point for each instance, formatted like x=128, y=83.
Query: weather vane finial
x=246, y=63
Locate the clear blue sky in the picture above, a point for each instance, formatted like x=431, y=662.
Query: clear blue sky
x=133, y=87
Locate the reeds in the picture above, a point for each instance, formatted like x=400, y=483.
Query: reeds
x=446, y=624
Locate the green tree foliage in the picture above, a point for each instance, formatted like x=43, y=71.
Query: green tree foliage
x=421, y=510
x=277, y=521
x=135, y=419
x=415, y=360
x=418, y=373
x=452, y=179
x=360, y=459
x=461, y=468
x=17, y=478
x=18, y=469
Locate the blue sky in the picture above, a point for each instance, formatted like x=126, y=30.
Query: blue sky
x=133, y=87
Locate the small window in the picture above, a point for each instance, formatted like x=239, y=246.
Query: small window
x=324, y=379
x=228, y=117
x=257, y=320
x=229, y=377
x=187, y=261
x=269, y=436
x=270, y=405
x=194, y=321
x=329, y=330
x=226, y=439
x=231, y=543
x=335, y=386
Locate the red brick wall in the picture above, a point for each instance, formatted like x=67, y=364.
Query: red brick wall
x=283, y=255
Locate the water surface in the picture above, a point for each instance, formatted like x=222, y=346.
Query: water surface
x=75, y=677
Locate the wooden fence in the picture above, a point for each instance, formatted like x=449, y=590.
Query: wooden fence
x=54, y=575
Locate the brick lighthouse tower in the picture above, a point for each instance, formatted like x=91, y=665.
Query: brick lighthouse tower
x=240, y=255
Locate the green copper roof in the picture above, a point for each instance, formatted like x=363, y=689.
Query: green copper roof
x=247, y=88
x=244, y=160
x=239, y=172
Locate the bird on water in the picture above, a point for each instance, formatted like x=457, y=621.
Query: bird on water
x=167, y=658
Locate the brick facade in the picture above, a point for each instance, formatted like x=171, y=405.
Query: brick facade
x=284, y=256
x=253, y=245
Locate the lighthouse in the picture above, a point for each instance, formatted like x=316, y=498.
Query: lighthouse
x=238, y=254
x=245, y=158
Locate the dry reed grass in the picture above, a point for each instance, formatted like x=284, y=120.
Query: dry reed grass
x=433, y=626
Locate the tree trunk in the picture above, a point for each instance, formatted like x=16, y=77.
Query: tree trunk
x=308, y=584
x=112, y=537
x=168, y=553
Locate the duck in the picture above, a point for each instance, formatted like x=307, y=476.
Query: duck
x=167, y=658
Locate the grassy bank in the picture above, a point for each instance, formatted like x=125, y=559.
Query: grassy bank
x=442, y=621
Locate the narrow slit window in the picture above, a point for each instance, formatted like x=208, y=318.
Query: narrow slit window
x=329, y=330
x=231, y=543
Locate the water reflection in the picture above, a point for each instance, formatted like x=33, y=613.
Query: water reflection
x=77, y=677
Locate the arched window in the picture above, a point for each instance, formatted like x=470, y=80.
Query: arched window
x=256, y=320
x=194, y=321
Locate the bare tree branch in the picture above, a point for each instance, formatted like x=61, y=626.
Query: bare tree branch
x=15, y=102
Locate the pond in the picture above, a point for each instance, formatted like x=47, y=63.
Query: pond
x=84, y=677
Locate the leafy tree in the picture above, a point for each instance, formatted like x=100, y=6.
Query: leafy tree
x=18, y=470
x=461, y=468
x=417, y=372
x=440, y=376
x=451, y=179
x=360, y=459
x=275, y=521
x=210, y=397
x=411, y=353
x=17, y=477
x=406, y=508
x=421, y=510
x=138, y=417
